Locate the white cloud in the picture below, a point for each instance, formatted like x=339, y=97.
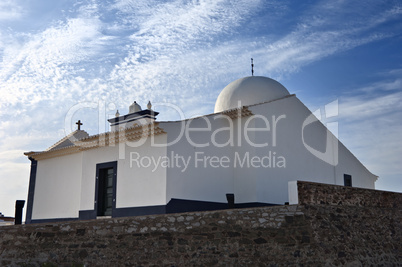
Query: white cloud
x=44, y=66
x=368, y=107
x=370, y=126
x=14, y=185
x=10, y=10
x=165, y=38
x=392, y=84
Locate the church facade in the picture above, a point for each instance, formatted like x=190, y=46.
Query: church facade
x=259, y=140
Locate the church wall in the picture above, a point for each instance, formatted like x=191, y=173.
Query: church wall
x=197, y=179
x=189, y=172
x=139, y=182
x=89, y=160
x=253, y=157
x=301, y=164
x=349, y=164
x=205, y=159
x=244, y=174
x=285, y=158
x=58, y=187
x=141, y=175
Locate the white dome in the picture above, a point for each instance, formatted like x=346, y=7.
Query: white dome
x=249, y=91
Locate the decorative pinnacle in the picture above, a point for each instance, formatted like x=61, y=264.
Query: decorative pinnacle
x=149, y=105
x=117, y=113
x=252, y=67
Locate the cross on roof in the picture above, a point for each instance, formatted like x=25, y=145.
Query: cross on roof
x=79, y=123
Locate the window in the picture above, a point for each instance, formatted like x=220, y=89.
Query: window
x=347, y=180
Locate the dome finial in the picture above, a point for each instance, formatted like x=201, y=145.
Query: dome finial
x=252, y=67
x=134, y=107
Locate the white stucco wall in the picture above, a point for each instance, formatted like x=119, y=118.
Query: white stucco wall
x=285, y=142
x=58, y=187
x=302, y=164
x=293, y=194
x=89, y=160
x=349, y=164
x=137, y=185
x=195, y=181
x=282, y=132
x=141, y=176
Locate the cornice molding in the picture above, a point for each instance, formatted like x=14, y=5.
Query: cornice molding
x=110, y=139
x=101, y=140
x=237, y=112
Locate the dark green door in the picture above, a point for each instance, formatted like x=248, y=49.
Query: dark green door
x=105, y=192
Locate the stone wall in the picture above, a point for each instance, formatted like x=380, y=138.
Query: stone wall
x=308, y=234
x=317, y=193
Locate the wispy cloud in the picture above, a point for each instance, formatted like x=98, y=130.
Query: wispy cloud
x=390, y=85
x=369, y=107
x=166, y=40
x=38, y=70
x=10, y=10
x=370, y=125
x=324, y=31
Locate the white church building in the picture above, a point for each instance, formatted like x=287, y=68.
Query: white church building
x=249, y=152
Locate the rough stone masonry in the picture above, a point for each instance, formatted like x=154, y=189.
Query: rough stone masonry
x=321, y=230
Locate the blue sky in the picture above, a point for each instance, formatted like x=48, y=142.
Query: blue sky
x=94, y=57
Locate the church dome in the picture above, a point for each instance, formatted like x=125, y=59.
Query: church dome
x=249, y=91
